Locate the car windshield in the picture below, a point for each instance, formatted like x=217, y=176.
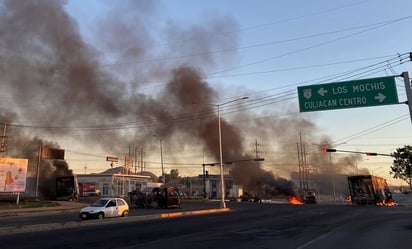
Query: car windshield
x=99, y=203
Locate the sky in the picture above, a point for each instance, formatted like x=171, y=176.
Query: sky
x=260, y=49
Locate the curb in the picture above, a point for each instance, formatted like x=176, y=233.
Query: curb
x=37, y=211
x=76, y=224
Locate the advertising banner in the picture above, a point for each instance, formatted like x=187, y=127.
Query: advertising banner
x=13, y=172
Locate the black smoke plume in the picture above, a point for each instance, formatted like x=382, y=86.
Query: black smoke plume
x=54, y=83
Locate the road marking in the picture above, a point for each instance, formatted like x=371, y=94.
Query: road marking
x=320, y=237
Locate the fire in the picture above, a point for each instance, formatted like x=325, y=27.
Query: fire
x=292, y=200
x=387, y=203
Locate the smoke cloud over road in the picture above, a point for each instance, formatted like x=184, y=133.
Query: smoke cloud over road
x=57, y=83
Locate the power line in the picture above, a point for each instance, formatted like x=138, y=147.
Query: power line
x=311, y=47
x=371, y=26
x=282, y=96
x=373, y=129
x=257, y=26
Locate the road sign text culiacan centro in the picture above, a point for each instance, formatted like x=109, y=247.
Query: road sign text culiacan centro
x=348, y=94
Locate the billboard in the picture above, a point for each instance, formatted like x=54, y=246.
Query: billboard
x=13, y=172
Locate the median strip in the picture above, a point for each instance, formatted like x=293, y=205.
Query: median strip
x=75, y=224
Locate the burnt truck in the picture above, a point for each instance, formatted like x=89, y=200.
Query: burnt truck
x=369, y=190
x=158, y=197
x=67, y=188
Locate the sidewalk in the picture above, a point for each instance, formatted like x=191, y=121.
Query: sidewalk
x=64, y=206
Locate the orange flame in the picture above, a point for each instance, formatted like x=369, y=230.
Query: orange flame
x=292, y=200
x=387, y=203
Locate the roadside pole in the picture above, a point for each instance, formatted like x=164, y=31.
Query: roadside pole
x=406, y=80
x=40, y=152
x=3, y=141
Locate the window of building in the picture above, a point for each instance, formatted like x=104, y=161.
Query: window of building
x=105, y=189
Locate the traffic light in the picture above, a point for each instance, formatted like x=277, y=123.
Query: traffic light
x=371, y=153
x=325, y=150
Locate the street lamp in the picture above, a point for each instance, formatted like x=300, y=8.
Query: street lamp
x=222, y=180
x=161, y=160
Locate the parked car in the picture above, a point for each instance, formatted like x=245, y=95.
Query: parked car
x=104, y=208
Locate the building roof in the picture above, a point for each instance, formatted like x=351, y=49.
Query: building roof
x=123, y=170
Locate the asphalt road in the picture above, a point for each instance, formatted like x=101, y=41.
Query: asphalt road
x=246, y=225
x=72, y=215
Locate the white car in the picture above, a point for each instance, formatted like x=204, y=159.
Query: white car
x=105, y=207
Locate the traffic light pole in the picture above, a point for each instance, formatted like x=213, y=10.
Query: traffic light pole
x=408, y=89
x=327, y=150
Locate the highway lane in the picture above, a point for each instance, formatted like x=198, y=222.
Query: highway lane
x=247, y=225
x=378, y=228
x=73, y=215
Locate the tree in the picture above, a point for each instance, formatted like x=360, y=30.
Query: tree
x=171, y=178
x=174, y=173
x=402, y=164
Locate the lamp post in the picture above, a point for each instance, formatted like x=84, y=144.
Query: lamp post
x=161, y=160
x=222, y=180
x=333, y=178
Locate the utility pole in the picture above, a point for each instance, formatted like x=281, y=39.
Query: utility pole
x=135, y=160
x=305, y=169
x=161, y=161
x=3, y=146
x=204, y=181
x=332, y=169
x=299, y=167
x=40, y=153
x=406, y=80
x=301, y=162
x=256, y=149
x=141, y=161
x=257, y=190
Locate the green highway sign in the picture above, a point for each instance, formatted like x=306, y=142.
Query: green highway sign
x=348, y=94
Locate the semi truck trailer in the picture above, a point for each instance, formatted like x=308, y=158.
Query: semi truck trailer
x=369, y=190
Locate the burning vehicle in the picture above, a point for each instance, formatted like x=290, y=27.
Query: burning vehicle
x=158, y=197
x=307, y=197
x=67, y=188
x=369, y=190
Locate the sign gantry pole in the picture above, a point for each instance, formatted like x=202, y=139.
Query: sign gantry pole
x=406, y=80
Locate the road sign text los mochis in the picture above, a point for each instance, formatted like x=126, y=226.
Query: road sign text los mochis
x=348, y=94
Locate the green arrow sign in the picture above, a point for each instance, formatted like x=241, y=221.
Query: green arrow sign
x=348, y=94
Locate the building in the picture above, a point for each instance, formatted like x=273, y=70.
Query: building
x=114, y=182
x=117, y=182
x=212, y=189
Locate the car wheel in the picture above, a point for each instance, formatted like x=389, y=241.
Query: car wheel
x=83, y=216
x=125, y=213
x=100, y=216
